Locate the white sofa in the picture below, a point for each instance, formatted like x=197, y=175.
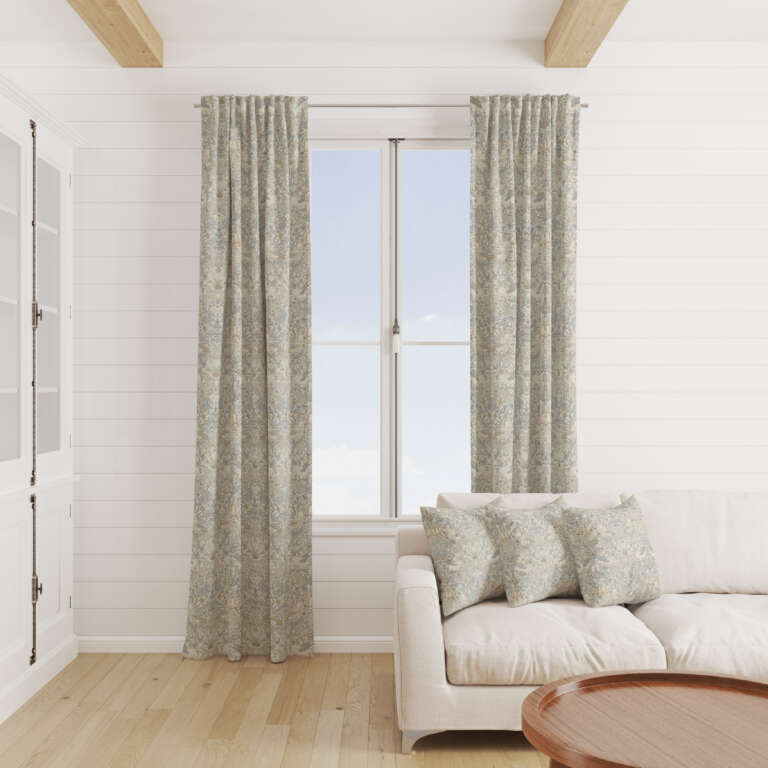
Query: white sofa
x=472, y=670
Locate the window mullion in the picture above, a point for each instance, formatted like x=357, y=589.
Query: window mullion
x=386, y=368
x=394, y=335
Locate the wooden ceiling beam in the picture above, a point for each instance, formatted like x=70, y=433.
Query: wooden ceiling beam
x=124, y=29
x=578, y=30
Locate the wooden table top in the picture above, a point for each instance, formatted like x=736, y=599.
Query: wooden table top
x=650, y=720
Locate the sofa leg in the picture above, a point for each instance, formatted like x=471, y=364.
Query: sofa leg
x=411, y=737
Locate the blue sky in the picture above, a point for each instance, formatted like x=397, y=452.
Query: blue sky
x=346, y=254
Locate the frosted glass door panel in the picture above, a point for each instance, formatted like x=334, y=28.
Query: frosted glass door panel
x=10, y=254
x=9, y=346
x=9, y=173
x=47, y=268
x=47, y=422
x=48, y=179
x=48, y=351
x=9, y=425
x=48, y=296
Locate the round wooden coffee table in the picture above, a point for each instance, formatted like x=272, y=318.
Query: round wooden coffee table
x=650, y=720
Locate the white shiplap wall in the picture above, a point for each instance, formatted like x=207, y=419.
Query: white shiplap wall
x=673, y=274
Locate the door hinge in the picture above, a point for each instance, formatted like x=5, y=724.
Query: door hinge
x=37, y=314
x=70, y=511
x=69, y=439
x=69, y=176
x=69, y=311
x=70, y=601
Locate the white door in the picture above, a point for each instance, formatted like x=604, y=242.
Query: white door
x=15, y=277
x=54, y=558
x=54, y=334
x=15, y=394
x=54, y=350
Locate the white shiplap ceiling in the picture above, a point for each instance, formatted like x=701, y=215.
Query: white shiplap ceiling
x=246, y=20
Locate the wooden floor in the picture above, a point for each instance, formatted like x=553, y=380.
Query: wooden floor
x=119, y=710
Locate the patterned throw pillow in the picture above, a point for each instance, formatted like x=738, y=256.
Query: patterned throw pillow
x=466, y=551
x=613, y=554
x=536, y=561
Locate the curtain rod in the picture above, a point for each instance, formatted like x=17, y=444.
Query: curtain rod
x=388, y=106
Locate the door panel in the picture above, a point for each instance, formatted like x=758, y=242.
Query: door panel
x=15, y=608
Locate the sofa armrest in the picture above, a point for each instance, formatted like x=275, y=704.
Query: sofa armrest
x=411, y=540
x=418, y=643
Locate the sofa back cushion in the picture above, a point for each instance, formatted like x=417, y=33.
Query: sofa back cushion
x=412, y=541
x=524, y=500
x=708, y=541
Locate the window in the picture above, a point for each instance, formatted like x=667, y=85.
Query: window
x=390, y=245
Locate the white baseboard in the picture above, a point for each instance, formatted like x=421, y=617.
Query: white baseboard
x=174, y=643
x=36, y=676
x=353, y=644
x=131, y=643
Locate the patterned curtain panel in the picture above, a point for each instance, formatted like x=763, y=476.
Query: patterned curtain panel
x=251, y=578
x=523, y=293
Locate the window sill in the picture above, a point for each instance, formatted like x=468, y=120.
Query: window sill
x=360, y=526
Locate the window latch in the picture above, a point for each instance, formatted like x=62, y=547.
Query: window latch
x=396, y=337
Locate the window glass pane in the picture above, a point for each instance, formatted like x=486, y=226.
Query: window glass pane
x=435, y=418
x=345, y=430
x=10, y=158
x=435, y=244
x=346, y=245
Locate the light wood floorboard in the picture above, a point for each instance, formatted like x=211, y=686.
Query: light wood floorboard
x=159, y=711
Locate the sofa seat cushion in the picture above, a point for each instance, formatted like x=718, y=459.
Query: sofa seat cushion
x=493, y=643
x=721, y=634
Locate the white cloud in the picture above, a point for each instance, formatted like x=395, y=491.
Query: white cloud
x=409, y=467
x=330, y=499
x=341, y=461
x=345, y=481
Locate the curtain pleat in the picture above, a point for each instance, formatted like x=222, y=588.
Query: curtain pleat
x=251, y=573
x=523, y=293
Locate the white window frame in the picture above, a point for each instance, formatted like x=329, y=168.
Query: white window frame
x=391, y=427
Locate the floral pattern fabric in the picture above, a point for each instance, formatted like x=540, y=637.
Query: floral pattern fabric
x=536, y=559
x=523, y=293
x=466, y=549
x=613, y=554
x=251, y=574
